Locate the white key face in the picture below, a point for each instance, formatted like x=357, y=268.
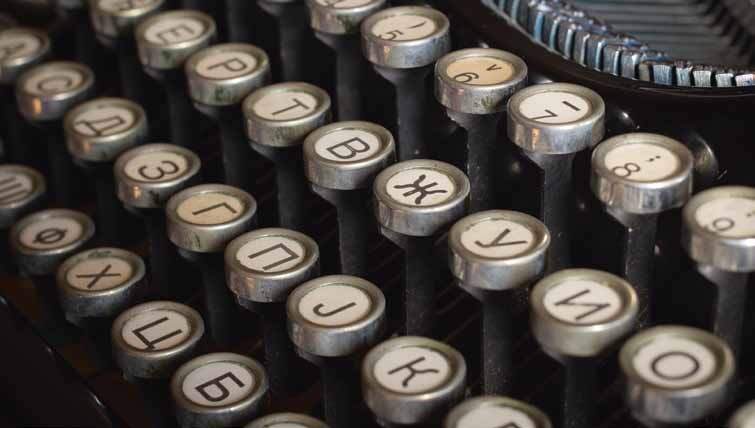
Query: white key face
x=14, y=187
x=174, y=30
x=642, y=162
x=210, y=208
x=348, y=145
x=17, y=44
x=289, y=105
x=218, y=384
x=344, y=4
x=51, y=233
x=675, y=363
x=54, y=81
x=402, y=28
x=155, y=167
x=412, y=370
x=271, y=254
x=582, y=302
x=498, y=239
x=227, y=65
x=156, y=330
x=555, y=107
x=335, y=305
x=117, y=6
x=99, y=274
x=480, y=71
x=495, y=417
x=104, y=121
x=420, y=187
x=728, y=217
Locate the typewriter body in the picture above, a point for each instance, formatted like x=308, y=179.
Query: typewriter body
x=375, y=213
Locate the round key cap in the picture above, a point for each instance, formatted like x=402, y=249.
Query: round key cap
x=48, y=91
x=99, y=283
x=409, y=380
x=113, y=18
x=21, y=48
x=286, y=420
x=152, y=339
x=42, y=240
x=220, y=389
x=675, y=374
x=147, y=176
x=341, y=16
x=22, y=189
x=167, y=39
x=744, y=417
x=491, y=253
x=205, y=218
x=494, y=411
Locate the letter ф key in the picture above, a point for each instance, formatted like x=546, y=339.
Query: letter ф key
x=286, y=420
x=164, y=42
x=495, y=412
x=341, y=161
x=146, y=177
x=97, y=132
x=676, y=376
x=414, y=202
x=577, y=315
x=412, y=381
x=20, y=49
x=44, y=94
x=491, y=254
x=336, y=23
x=22, y=190
x=278, y=119
x=474, y=85
x=219, y=79
x=201, y=221
x=402, y=43
x=218, y=390
x=262, y=267
x=331, y=320
x=150, y=341
x=95, y=286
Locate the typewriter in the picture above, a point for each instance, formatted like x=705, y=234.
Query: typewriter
x=374, y=213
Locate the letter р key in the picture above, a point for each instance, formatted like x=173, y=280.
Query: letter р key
x=262, y=267
x=150, y=341
x=218, y=390
x=577, y=315
x=410, y=380
x=495, y=412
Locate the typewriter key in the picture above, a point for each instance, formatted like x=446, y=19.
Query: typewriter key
x=218, y=390
x=331, y=319
x=414, y=202
x=551, y=123
x=145, y=178
x=97, y=132
x=44, y=94
x=262, y=267
x=164, y=42
x=402, y=43
x=495, y=412
x=337, y=23
x=412, y=380
x=341, y=161
x=744, y=417
x=20, y=49
x=474, y=86
x=22, y=190
x=201, y=220
x=219, y=78
x=114, y=22
x=278, y=118
x=717, y=230
x=492, y=253
x=675, y=374
x=637, y=176
x=576, y=315
x=286, y=420
x=150, y=341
